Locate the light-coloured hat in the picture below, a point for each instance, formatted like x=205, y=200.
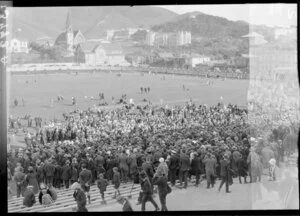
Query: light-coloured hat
x=161, y=160
x=272, y=161
x=75, y=186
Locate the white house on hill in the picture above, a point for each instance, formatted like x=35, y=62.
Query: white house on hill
x=17, y=45
x=255, y=38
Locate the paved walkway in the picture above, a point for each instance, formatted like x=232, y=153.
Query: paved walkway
x=258, y=196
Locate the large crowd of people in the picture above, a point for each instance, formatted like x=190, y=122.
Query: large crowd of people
x=135, y=143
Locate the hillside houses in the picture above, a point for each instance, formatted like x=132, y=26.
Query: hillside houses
x=171, y=39
x=17, y=45
x=94, y=54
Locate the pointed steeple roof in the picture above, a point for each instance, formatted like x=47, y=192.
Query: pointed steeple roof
x=68, y=21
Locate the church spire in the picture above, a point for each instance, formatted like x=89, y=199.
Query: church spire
x=68, y=21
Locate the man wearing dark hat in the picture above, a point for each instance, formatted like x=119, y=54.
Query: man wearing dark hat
x=147, y=192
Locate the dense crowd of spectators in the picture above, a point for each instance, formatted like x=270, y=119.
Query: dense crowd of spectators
x=126, y=137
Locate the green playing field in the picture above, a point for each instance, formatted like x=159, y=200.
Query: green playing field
x=37, y=91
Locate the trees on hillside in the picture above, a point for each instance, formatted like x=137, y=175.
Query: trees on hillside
x=52, y=53
x=139, y=36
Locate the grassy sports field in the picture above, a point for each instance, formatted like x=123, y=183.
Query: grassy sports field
x=37, y=91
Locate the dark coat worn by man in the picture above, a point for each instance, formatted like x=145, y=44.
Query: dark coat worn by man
x=132, y=164
x=184, y=167
x=49, y=170
x=57, y=176
x=196, y=167
x=173, y=167
x=162, y=184
x=210, y=167
x=224, y=174
x=123, y=165
x=147, y=193
x=66, y=175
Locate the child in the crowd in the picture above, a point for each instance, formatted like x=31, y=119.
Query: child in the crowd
x=102, y=184
x=116, y=181
x=126, y=204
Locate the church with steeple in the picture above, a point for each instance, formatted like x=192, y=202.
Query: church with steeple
x=69, y=40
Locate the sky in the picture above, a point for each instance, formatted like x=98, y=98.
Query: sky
x=281, y=15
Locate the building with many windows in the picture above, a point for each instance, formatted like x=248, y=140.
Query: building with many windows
x=17, y=45
x=170, y=39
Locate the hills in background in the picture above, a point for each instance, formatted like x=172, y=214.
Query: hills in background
x=211, y=35
x=209, y=26
x=40, y=22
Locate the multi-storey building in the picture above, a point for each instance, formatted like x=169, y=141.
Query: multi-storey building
x=168, y=39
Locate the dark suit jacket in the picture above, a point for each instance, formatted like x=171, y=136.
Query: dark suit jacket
x=116, y=180
x=174, y=162
x=184, y=162
x=147, y=167
x=146, y=187
x=58, y=172
x=49, y=169
x=162, y=184
x=224, y=168
x=85, y=176
x=66, y=173
x=196, y=164
x=99, y=161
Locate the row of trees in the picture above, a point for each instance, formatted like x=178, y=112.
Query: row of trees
x=46, y=52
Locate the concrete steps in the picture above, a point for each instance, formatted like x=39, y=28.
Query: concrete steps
x=65, y=201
